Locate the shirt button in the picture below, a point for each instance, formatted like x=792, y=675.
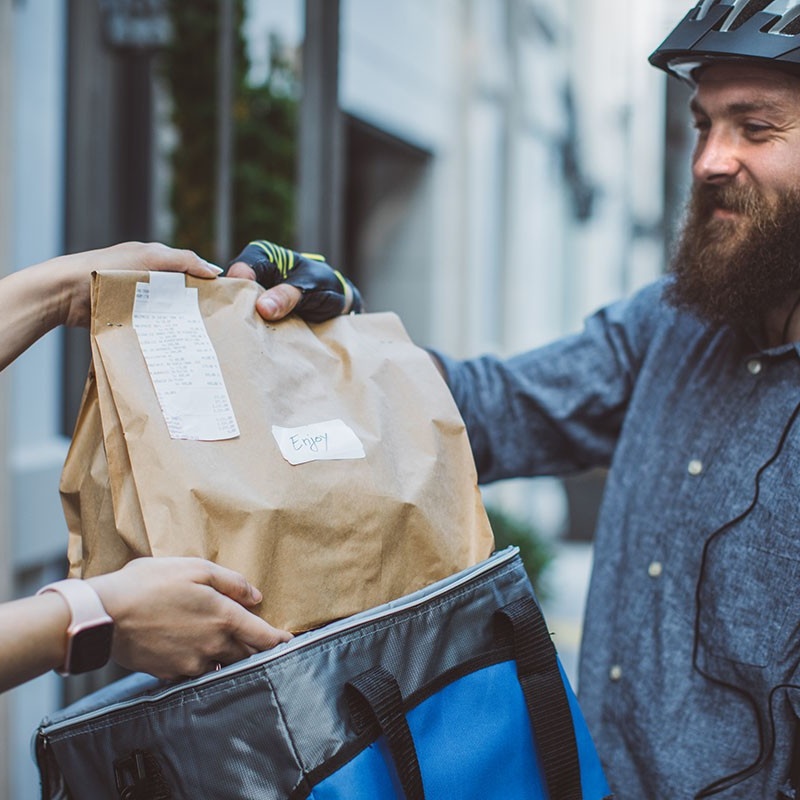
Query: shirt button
x=615, y=673
x=754, y=366
x=655, y=569
x=695, y=466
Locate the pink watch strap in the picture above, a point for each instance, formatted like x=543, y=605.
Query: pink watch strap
x=83, y=601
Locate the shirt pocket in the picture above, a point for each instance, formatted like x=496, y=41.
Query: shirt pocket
x=748, y=589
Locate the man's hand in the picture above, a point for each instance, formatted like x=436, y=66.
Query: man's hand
x=300, y=282
x=177, y=617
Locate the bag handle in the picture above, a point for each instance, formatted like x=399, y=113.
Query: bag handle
x=374, y=696
x=522, y=625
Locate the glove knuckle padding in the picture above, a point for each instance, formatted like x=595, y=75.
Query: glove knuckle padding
x=313, y=276
x=267, y=272
x=319, y=306
x=323, y=297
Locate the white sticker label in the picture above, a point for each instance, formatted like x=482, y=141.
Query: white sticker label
x=182, y=362
x=321, y=441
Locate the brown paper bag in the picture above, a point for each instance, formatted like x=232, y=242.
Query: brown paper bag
x=322, y=539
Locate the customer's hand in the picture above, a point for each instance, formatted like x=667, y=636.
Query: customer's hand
x=301, y=282
x=153, y=257
x=176, y=617
x=57, y=292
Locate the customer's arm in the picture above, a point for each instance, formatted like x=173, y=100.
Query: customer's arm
x=173, y=617
x=37, y=299
x=32, y=638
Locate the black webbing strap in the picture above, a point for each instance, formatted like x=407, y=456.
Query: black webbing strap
x=374, y=696
x=794, y=773
x=523, y=625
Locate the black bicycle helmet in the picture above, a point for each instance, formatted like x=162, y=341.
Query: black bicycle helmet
x=765, y=31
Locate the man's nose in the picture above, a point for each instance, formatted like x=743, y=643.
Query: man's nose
x=715, y=159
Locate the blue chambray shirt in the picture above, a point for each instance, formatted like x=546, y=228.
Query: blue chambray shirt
x=691, y=633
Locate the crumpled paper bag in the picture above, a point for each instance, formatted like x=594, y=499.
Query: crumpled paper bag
x=321, y=539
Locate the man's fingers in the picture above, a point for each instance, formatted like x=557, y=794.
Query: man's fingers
x=275, y=303
x=278, y=301
x=241, y=270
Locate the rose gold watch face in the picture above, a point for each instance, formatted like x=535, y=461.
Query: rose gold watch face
x=89, y=648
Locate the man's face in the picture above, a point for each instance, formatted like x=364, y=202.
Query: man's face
x=739, y=254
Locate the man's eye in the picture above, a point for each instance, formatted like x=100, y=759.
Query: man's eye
x=701, y=125
x=756, y=128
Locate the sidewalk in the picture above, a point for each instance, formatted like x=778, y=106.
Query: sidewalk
x=568, y=581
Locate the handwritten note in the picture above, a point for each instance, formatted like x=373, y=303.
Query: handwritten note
x=182, y=362
x=321, y=441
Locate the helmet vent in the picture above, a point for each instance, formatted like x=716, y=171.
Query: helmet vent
x=703, y=8
x=793, y=28
x=742, y=11
x=789, y=11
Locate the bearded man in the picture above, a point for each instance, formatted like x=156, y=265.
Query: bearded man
x=689, y=393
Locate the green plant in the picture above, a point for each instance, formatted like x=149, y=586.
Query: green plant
x=265, y=133
x=536, y=552
x=266, y=155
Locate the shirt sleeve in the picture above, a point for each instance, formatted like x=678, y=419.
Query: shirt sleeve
x=559, y=408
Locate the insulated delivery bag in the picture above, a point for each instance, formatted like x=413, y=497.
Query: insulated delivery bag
x=454, y=692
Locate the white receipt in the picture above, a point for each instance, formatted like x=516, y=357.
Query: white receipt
x=321, y=441
x=182, y=362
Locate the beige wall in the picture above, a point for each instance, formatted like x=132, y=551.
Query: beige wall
x=6, y=66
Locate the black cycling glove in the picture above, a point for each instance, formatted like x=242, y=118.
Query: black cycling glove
x=326, y=292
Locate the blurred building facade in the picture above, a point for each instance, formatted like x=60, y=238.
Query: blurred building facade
x=499, y=173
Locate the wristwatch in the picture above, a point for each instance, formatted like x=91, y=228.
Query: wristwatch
x=90, y=629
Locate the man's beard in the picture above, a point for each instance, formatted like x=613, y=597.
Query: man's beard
x=735, y=270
